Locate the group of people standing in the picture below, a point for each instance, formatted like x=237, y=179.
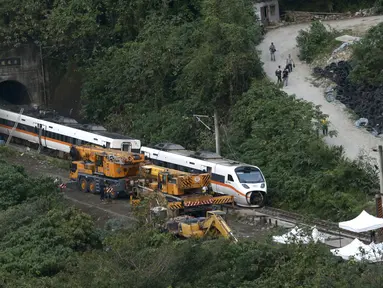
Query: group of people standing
x=282, y=75
x=283, y=78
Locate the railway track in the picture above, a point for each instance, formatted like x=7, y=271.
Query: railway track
x=326, y=227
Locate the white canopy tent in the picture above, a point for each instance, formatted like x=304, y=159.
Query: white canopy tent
x=356, y=249
x=360, y=251
x=362, y=223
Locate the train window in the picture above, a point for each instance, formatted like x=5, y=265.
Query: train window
x=35, y=130
x=51, y=127
x=23, y=120
x=230, y=178
x=43, y=132
x=191, y=163
x=107, y=144
x=217, y=177
x=95, y=139
x=74, y=141
x=127, y=146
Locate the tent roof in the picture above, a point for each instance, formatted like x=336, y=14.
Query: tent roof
x=360, y=251
x=362, y=223
x=355, y=249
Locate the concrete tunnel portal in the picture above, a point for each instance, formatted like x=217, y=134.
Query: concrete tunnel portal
x=14, y=92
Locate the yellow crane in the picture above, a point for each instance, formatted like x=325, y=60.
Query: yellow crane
x=94, y=166
x=185, y=192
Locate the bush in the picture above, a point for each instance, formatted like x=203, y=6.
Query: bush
x=38, y=234
x=378, y=6
x=275, y=131
x=367, y=60
x=315, y=41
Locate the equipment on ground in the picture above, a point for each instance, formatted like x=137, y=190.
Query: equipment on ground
x=228, y=177
x=211, y=225
x=186, y=193
x=115, y=171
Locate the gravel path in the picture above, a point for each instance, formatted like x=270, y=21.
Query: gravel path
x=353, y=140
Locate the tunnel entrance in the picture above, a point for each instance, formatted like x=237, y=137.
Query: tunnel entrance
x=13, y=92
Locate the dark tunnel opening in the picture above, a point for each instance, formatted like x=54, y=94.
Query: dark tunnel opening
x=13, y=92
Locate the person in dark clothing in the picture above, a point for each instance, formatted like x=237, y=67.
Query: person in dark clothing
x=285, y=76
x=373, y=236
x=278, y=73
x=272, y=50
x=102, y=190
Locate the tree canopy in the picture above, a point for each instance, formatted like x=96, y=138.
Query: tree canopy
x=147, y=67
x=45, y=243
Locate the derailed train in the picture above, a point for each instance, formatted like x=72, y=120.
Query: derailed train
x=245, y=182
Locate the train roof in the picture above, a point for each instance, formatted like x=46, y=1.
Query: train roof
x=201, y=155
x=54, y=117
x=113, y=135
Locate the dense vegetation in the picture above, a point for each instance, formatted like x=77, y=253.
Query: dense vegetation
x=44, y=243
x=367, y=58
x=149, y=66
x=325, y=5
x=316, y=41
x=274, y=130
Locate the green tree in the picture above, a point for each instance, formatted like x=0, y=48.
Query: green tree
x=276, y=132
x=367, y=58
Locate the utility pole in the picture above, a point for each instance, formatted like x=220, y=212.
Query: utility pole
x=216, y=128
x=378, y=197
x=43, y=76
x=381, y=168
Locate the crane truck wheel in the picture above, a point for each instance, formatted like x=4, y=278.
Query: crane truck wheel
x=84, y=185
x=92, y=187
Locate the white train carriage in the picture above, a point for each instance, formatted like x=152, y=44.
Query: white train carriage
x=245, y=182
x=61, y=137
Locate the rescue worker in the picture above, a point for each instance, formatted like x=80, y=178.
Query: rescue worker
x=324, y=122
x=109, y=193
x=204, y=189
x=102, y=190
x=290, y=63
x=278, y=73
x=373, y=236
x=285, y=76
x=272, y=51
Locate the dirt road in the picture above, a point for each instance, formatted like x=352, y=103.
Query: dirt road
x=353, y=140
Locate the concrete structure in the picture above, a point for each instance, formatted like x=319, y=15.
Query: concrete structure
x=21, y=76
x=267, y=11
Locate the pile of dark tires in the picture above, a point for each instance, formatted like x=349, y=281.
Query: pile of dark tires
x=365, y=100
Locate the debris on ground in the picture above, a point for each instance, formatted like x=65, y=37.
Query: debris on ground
x=330, y=93
x=344, y=51
x=361, y=122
